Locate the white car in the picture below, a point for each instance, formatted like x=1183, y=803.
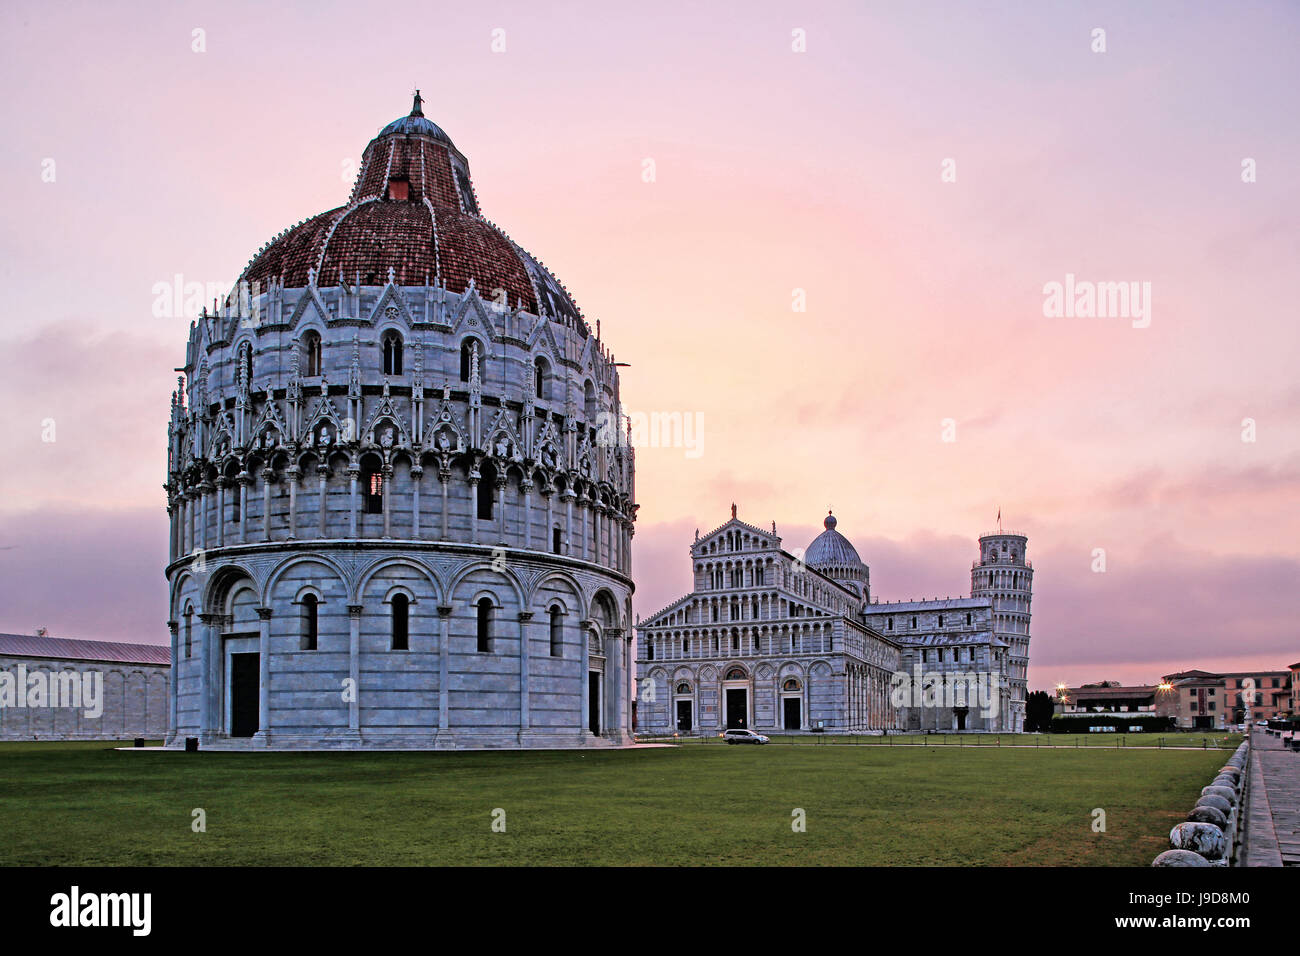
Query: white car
x=1261, y=723
x=738, y=736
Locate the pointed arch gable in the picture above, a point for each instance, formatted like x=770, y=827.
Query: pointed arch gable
x=309, y=309
x=473, y=317
x=380, y=319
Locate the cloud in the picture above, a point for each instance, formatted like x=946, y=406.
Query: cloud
x=105, y=395
x=93, y=575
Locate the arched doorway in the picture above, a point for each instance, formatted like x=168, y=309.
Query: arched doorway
x=735, y=698
x=791, y=704
x=684, y=705
x=238, y=676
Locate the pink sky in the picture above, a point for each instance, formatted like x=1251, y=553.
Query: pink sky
x=775, y=171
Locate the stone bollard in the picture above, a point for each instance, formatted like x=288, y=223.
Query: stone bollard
x=1180, y=858
x=1212, y=800
x=1203, y=838
x=1208, y=838
x=1209, y=815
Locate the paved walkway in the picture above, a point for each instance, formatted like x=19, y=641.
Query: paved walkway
x=1273, y=822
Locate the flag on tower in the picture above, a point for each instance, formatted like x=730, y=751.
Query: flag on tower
x=999, y=517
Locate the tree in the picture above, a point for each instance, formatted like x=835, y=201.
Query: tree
x=1038, y=711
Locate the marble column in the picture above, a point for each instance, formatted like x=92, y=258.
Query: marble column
x=173, y=711
x=209, y=672
x=584, y=632
x=443, y=478
x=526, y=486
x=221, y=511
x=354, y=475
x=567, y=497
x=264, y=672
x=244, y=481
x=417, y=473
x=267, y=475
x=444, y=652
x=524, y=618
x=322, y=472
x=386, y=493
x=501, y=505
x=354, y=666
x=293, y=474
x=614, y=689
x=473, y=509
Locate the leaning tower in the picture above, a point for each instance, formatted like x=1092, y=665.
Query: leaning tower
x=1005, y=576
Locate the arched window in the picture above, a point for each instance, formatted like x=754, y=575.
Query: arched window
x=485, y=625
x=791, y=684
x=311, y=352
x=486, y=492
x=468, y=349
x=736, y=674
x=401, y=622
x=372, y=490
x=236, y=488
x=684, y=647
x=542, y=378
x=589, y=399
x=557, y=631
x=309, y=626
x=555, y=540
x=392, y=353
x=189, y=632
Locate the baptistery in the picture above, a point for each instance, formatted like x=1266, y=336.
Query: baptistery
x=400, y=490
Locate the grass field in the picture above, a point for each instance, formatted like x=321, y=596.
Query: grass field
x=85, y=803
x=1202, y=740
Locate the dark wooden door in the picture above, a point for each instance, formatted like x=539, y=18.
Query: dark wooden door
x=737, y=707
x=244, y=685
x=593, y=702
x=684, y=715
x=793, y=713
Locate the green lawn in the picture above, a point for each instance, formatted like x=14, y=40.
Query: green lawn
x=1202, y=740
x=78, y=803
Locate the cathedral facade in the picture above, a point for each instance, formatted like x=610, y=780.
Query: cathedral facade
x=780, y=641
x=401, y=502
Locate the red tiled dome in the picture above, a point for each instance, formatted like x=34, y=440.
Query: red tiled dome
x=413, y=209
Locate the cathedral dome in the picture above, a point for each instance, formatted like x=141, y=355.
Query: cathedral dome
x=833, y=555
x=413, y=210
x=830, y=548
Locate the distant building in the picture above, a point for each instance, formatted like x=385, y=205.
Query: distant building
x=1201, y=699
x=781, y=641
x=53, y=688
x=1295, y=688
x=1107, y=697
